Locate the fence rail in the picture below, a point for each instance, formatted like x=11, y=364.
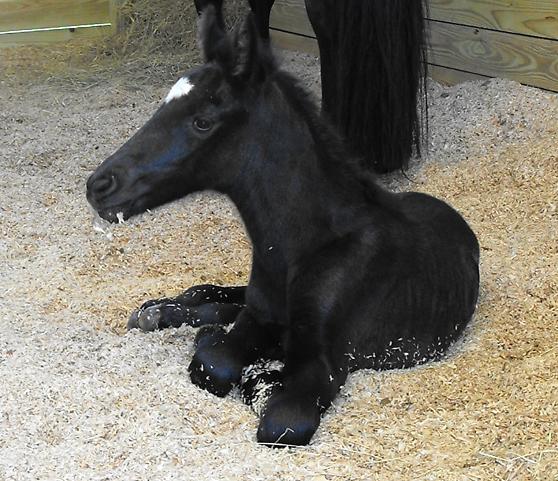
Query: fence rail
x=467, y=38
x=24, y=22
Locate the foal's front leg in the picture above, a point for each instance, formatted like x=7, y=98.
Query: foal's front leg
x=220, y=357
x=262, y=11
x=312, y=378
x=198, y=306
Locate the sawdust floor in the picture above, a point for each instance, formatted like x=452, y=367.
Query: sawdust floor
x=82, y=400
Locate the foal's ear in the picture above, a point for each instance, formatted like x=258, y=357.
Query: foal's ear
x=214, y=42
x=252, y=55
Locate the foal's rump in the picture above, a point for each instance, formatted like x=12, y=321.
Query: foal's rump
x=446, y=224
x=424, y=286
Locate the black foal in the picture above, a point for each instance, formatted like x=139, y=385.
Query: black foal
x=344, y=275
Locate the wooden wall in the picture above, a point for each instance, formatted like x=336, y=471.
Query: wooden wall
x=468, y=39
x=45, y=21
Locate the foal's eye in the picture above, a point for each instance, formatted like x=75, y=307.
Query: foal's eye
x=203, y=125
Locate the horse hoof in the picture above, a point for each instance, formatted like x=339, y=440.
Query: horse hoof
x=133, y=320
x=288, y=421
x=147, y=319
x=215, y=369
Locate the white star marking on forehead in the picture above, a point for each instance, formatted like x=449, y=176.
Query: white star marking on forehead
x=180, y=89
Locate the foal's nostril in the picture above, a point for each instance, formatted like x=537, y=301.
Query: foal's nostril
x=104, y=185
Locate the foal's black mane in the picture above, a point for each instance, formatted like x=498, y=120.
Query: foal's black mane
x=330, y=146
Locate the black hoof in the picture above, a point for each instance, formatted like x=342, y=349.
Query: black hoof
x=214, y=368
x=289, y=420
x=151, y=315
x=145, y=319
x=133, y=320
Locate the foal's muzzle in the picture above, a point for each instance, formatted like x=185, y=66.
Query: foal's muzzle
x=107, y=195
x=100, y=186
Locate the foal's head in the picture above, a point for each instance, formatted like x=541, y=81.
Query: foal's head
x=197, y=139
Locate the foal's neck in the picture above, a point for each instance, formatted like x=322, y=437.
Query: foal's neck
x=294, y=195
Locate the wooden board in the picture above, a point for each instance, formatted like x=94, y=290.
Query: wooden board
x=52, y=36
x=450, y=76
x=290, y=16
x=29, y=21
x=477, y=38
x=294, y=42
x=444, y=75
x=537, y=18
x=529, y=60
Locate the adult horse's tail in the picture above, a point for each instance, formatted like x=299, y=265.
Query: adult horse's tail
x=373, y=75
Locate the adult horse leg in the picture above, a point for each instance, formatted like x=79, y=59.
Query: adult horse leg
x=202, y=4
x=198, y=306
x=321, y=14
x=262, y=11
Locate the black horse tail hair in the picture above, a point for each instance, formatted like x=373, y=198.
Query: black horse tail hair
x=374, y=88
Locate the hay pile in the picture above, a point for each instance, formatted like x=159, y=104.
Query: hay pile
x=81, y=400
x=156, y=39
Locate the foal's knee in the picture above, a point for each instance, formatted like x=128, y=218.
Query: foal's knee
x=215, y=367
